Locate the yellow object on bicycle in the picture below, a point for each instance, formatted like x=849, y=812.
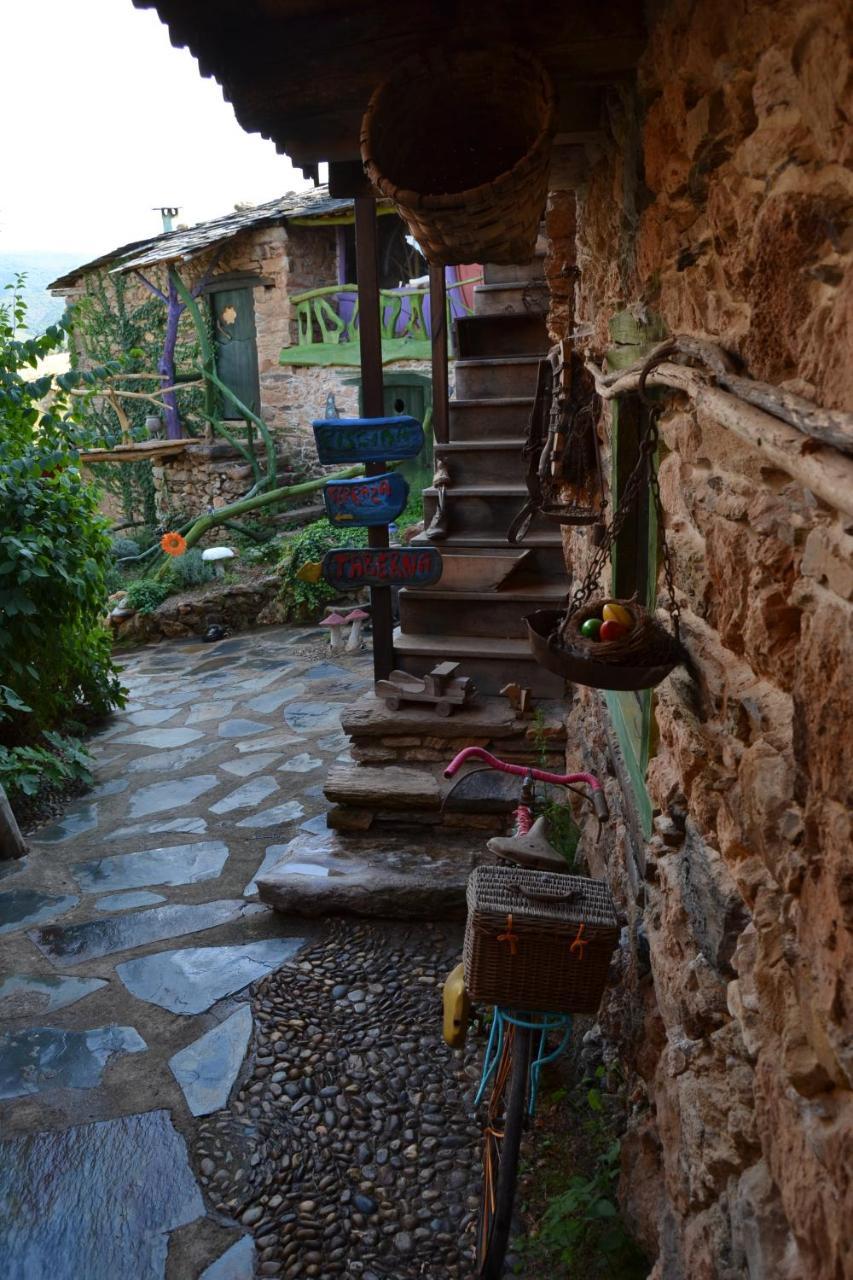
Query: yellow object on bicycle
x=457, y=1008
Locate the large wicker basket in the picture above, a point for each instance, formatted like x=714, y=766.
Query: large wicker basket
x=460, y=140
x=537, y=940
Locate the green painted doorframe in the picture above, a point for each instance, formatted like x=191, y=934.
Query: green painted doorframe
x=635, y=555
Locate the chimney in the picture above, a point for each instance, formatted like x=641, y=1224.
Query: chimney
x=167, y=213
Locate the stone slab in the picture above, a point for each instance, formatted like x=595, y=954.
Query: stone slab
x=487, y=718
x=39, y=1058
x=20, y=907
x=236, y=1263
x=207, y=1068
x=73, y=944
x=73, y=823
x=169, y=795
x=168, y=864
x=382, y=788
x=192, y=979
x=95, y=1201
x=125, y=901
x=24, y=995
x=399, y=877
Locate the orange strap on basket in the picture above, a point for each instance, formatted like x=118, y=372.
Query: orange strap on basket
x=580, y=942
x=510, y=937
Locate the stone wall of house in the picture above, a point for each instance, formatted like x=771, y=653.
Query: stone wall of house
x=291, y=259
x=209, y=475
x=717, y=204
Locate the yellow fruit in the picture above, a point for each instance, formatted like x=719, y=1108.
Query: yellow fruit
x=615, y=613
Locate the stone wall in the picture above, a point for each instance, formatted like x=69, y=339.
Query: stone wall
x=717, y=204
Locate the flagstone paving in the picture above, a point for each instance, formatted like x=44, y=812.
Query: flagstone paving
x=156, y=1071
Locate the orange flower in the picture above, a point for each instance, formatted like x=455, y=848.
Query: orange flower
x=174, y=544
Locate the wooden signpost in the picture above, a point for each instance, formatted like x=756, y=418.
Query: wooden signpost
x=368, y=439
x=370, y=501
x=352, y=567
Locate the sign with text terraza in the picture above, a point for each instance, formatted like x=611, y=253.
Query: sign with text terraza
x=367, y=439
x=350, y=567
x=368, y=501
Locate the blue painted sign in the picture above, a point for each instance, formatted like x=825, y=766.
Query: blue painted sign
x=368, y=439
x=352, y=567
x=368, y=501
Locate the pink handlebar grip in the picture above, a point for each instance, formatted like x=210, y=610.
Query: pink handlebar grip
x=503, y=766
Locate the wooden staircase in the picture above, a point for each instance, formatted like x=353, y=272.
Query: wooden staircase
x=499, y=350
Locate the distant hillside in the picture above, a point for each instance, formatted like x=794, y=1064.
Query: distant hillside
x=41, y=269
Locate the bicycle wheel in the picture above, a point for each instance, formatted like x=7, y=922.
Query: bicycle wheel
x=501, y=1144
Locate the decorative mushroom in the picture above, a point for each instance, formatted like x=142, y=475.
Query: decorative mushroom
x=357, y=618
x=217, y=556
x=336, y=624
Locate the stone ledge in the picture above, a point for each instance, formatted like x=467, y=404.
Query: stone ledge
x=488, y=718
x=382, y=788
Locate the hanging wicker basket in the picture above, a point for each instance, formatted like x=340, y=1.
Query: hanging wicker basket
x=638, y=660
x=460, y=140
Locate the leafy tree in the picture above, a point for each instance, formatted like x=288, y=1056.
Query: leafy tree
x=55, y=664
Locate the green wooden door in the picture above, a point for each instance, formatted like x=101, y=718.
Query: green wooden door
x=236, y=344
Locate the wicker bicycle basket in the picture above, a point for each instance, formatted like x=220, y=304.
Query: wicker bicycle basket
x=460, y=140
x=538, y=940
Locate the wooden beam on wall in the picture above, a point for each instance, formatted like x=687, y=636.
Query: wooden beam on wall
x=438, y=324
x=373, y=402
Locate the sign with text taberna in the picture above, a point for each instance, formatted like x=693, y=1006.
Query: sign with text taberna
x=368, y=439
x=367, y=501
x=348, y=568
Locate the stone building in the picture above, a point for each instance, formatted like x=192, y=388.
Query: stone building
x=700, y=186
x=274, y=280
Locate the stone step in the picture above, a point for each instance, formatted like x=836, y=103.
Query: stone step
x=485, y=379
x=495, y=273
x=490, y=662
x=525, y=297
x=404, y=876
x=431, y=611
x=490, y=418
x=545, y=545
x=501, y=335
x=482, y=508
x=473, y=462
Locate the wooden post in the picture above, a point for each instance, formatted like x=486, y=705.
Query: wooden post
x=373, y=406
x=438, y=326
x=12, y=843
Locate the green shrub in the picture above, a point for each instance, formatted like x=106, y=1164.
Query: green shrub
x=189, y=570
x=145, y=594
x=123, y=548
x=26, y=770
x=303, y=599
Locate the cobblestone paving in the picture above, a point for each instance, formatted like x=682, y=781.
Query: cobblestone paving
x=316, y=1125
x=348, y=1149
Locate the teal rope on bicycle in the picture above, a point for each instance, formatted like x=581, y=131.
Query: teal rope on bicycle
x=545, y=1024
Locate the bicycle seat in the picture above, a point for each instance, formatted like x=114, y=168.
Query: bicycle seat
x=534, y=850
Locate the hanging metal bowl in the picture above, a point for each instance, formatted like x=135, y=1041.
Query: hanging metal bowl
x=639, y=667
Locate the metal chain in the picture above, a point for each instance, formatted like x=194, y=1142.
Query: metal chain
x=644, y=472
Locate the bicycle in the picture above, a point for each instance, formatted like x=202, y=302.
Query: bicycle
x=517, y=1047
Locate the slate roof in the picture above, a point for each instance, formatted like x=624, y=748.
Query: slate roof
x=181, y=245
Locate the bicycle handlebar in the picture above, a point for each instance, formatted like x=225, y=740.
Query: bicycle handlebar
x=556, y=779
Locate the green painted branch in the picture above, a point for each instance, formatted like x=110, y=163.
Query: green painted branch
x=243, y=505
x=247, y=454
x=209, y=371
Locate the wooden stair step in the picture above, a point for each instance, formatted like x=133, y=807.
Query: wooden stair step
x=482, y=461
x=490, y=661
x=507, y=377
x=501, y=613
x=501, y=335
x=511, y=297
x=486, y=419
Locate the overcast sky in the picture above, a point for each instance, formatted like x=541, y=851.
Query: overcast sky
x=102, y=119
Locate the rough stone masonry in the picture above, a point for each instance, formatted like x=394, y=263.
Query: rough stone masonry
x=719, y=207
